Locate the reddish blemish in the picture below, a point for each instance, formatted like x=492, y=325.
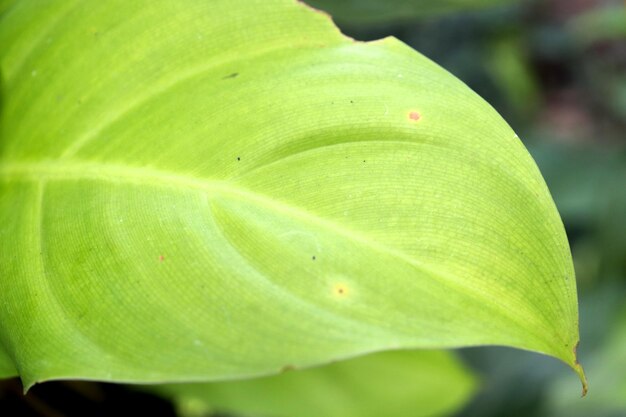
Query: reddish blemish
x=161, y=258
x=414, y=115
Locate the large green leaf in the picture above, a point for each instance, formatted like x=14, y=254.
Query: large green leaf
x=195, y=190
x=393, y=384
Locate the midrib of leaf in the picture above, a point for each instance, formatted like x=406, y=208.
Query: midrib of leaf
x=77, y=171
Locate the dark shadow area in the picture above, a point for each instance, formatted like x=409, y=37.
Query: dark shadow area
x=79, y=399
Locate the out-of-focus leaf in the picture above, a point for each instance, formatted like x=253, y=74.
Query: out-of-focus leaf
x=382, y=11
x=197, y=191
x=393, y=384
x=511, y=72
x=617, y=96
x=598, y=24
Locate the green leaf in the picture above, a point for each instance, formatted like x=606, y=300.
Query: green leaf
x=599, y=24
x=6, y=365
x=199, y=191
x=394, y=384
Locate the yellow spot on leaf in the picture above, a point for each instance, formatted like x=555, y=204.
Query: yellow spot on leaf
x=341, y=290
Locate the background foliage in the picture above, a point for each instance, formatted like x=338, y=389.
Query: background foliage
x=556, y=71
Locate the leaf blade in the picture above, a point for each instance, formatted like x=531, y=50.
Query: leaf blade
x=207, y=222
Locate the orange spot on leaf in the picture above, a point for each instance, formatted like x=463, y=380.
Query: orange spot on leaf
x=414, y=115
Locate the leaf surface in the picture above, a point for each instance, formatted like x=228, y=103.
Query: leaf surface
x=6, y=365
x=195, y=191
x=394, y=384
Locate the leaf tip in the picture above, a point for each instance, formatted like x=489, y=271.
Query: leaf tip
x=583, y=379
x=26, y=386
x=578, y=368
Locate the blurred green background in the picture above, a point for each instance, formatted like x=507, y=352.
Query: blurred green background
x=556, y=71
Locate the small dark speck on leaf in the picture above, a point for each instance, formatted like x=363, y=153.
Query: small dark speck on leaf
x=239, y=158
x=233, y=75
x=287, y=368
x=351, y=102
x=313, y=257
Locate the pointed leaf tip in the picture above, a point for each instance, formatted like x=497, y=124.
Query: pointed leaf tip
x=578, y=368
x=583, y=380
